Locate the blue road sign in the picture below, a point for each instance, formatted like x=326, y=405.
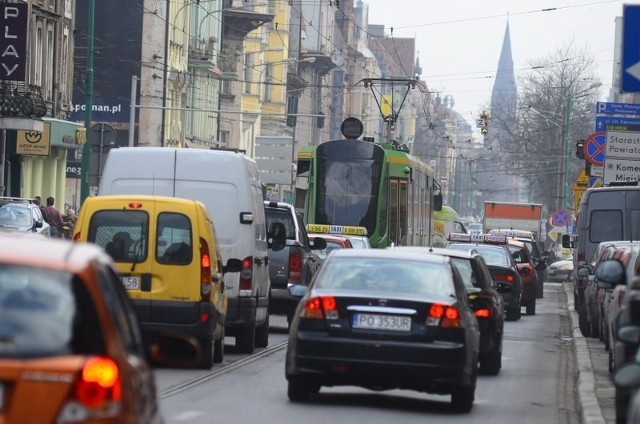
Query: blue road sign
x=560, y=217
x=603, y=121
x=618, y=108
x=594, y=148
x=631, y=48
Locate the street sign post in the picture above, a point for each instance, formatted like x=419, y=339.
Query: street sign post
x=631, y=49
x=617, y=108
x=594, y=148
x=603, y=121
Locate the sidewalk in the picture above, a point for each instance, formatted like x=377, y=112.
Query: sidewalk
x=596, y=393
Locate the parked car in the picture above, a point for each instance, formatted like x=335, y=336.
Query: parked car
x=292, y=263
x=484, y=299
x=612, y=297
x=168, y=257
x=22, y=215
x=595, y=295
x=504, y=271
x=627, y=379
x=383, y=320
x=560, y=271
x=72, y=348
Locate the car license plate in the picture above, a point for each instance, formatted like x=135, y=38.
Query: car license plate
x=381, y=322
x=131, y=282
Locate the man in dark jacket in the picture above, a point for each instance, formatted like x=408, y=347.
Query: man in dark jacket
x=53, y=217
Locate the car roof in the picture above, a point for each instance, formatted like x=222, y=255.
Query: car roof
x=330, y=237
x=56, y=254
x=437, y=251
x=386, y=254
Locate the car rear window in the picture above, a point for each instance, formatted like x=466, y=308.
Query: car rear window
x=387, y=275
x=283, y=216
x=175, y=242
x=122, y=233
x=492, y=255
x=46, y=313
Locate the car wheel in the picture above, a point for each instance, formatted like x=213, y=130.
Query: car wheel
x=531, y=307
x=612, y=361
x=218, y=350
x=585, y=328
x=492, y=362
x=245, y=341
x=207, y=354
x=262, y=333
x=511, y=314
x=595, y=328
x=462, y=398
x=299, y=389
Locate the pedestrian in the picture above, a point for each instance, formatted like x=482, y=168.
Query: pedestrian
x=53, y=217
x=69, y=222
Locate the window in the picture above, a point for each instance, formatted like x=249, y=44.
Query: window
x=248, y=72
x=174, y=244
x=122, y=233
x=268, y=72
x=609, y=226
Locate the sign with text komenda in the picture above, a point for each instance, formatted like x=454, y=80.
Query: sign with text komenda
x=622, y=163
x=13, y=41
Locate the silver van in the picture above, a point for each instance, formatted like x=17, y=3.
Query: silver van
x=228, y=184
x=604, y=214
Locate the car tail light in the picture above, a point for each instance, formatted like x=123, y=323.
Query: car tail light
x=295, y=266
x=483, y=313
x=97, y=393
x=444, y=316
x=76, y=237
x=205, y=271
x=246, y=274
x=526, y=270
x=321, y=306
x=503, y=277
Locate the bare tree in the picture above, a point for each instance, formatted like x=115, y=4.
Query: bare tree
x=555, y=108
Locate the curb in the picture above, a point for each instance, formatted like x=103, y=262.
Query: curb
x=590, y=411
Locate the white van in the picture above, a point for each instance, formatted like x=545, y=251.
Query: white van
x=228, y=184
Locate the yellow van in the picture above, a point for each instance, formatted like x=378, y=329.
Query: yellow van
x=167, y=256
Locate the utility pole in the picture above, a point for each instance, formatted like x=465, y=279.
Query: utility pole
x=86, y=148
x=567, y=143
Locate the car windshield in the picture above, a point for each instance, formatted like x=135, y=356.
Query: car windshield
x=386, y=275
x=492, y=255
x=45, y=313
x=15, y=216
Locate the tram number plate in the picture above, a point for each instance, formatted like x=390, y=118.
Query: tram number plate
x=131, y=282
x=381, y=322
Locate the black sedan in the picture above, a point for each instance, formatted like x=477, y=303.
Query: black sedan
x=381, y=320
x=504, y=270
x=484, y=299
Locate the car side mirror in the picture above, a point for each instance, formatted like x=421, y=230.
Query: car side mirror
x=277, y=236
x=298, y=290
x=629, y=334
x=628, y=376
x=584, y=272
x=437, y=202
x=541, y=265
x=611, y=272
x=318, y=243
x=233, y=265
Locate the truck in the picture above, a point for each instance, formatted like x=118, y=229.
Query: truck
x=513, y=216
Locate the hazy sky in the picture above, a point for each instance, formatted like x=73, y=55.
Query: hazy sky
x=459, y=41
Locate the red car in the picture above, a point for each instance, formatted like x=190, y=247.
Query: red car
x=527, y=269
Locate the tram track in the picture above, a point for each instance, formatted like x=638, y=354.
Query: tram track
x=188, y=384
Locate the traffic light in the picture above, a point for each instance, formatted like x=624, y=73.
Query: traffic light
x=484, y=122
x=580, y=149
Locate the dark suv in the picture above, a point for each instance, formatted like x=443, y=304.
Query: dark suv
x=293, y=264
x=22, y=215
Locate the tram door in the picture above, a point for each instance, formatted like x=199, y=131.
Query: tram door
x=398, y=198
